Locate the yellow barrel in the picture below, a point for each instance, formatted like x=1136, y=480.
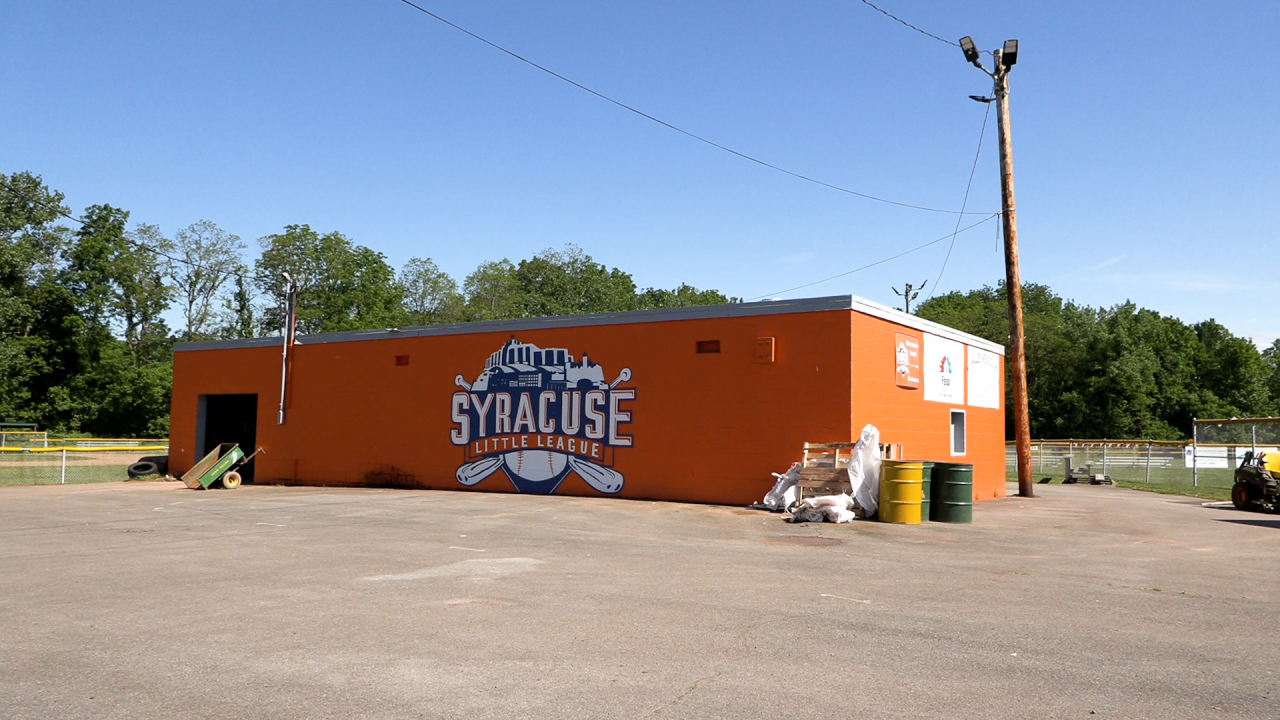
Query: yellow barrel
x=901, y=491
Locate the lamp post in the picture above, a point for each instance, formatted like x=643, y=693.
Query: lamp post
x=290, y=315
x=908, y=296
x=1005, y=58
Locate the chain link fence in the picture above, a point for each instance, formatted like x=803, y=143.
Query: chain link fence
x=1208, y=461
x=1155, y=461
x=23, y=438
x=75, y=460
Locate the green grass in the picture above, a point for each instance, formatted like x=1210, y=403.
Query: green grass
x=1206, y=492
x=23, y=470
x=1214, y=484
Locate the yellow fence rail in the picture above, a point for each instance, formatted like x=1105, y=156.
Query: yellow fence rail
x=68, y=465
x=123, y=449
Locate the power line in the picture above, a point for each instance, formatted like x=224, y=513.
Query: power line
x=897, y=19
x=963, y=205
x=670, y=126
x=878, y=262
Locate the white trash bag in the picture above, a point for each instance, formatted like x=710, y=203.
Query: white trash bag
x=828, y=508
x=864, y=471
x=783, y=494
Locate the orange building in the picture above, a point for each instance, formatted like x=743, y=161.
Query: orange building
x=694, y=404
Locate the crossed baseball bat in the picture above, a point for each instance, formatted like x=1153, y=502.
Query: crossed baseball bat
x=603, y=479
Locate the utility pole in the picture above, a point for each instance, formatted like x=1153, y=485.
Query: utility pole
x=1005, y=58
x=907, y=296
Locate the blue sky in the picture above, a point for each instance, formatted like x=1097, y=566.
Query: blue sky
x=1145, y=136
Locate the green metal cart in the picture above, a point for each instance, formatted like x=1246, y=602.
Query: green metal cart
x=219, y=466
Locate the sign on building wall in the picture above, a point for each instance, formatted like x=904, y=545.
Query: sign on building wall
x=535, y=414
x=943, y=370
x=906, y=353
x=984, y=378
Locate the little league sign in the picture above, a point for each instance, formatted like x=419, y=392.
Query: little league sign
x=536, y=414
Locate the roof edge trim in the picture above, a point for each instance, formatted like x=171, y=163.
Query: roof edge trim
x=701, y=312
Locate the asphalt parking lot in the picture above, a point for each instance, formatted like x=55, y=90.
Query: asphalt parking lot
x=151, y=600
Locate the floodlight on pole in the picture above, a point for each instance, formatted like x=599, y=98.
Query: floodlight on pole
x=971, y=53
x=1010, y=55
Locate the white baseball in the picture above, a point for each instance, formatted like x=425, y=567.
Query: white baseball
x=535, y=465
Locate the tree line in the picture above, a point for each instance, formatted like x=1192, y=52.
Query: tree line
x=85, y=347
x=1122, y=371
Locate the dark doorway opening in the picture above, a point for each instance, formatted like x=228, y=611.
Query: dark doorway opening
x=228, y=419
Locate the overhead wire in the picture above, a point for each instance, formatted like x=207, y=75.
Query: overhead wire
x=960, y=213
x=926, y=33
x=981, y=134
x=671, y=126
x=895, y=18
x=871, y=265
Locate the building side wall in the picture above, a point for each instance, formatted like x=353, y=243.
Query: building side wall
x=705, y=427
x=921, y=426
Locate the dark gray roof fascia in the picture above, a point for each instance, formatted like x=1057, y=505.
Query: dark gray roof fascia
x=701, y=312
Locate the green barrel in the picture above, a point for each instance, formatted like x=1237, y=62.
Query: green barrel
x=952, y=488
x=926, y=490
x=900, y=492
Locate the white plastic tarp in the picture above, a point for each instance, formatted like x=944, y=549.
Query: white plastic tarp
x=864, y=471
x=831, y=508
x=784, y=492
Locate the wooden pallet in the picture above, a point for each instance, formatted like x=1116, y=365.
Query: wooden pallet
x=824, y=467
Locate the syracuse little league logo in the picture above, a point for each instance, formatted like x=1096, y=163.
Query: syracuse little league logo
x=537, y=414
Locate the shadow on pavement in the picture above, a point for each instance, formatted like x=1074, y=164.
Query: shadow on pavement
x=1275, y=524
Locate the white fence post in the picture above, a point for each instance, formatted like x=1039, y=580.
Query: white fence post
x=1195, y=447
x=1148, y=461
x=64, y=466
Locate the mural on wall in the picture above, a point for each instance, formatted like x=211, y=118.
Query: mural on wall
x=536, y=414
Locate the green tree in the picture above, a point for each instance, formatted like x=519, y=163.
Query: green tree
x=1271, y=356
x=431, y=297
x=341, y=285
x=493, y=292
x=142, y=295
x=1233, y=370
x=91, y=266
x=32, y=303
x=1119, y=372
x=683, y=296
x=205, y=258
x=570, y=282
x=239, y=317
